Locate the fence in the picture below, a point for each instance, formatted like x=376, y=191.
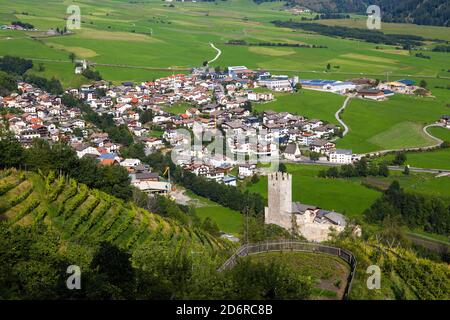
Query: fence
x=280, y=246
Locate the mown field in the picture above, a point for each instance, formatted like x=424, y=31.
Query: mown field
x=152, y=34
x=392, y=124
x=436, y=159
x=352, y=196
x=308, y=103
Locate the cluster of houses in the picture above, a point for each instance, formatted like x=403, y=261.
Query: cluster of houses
x=214, y=101
x=445, y=120
x=15, y=27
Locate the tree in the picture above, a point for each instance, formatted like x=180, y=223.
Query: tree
x=406, y=170
x=11, y=152
x=92, y=75
x=400, y=158
x=8, y=84
x=282, y=167
x=77, y=132
x=15, y=65
x=328, y=67
x=146, y=116
x=211, y=226
x=423, y=84
x=135, y=151
x=72, y=56
x=383, y=170
x=314, y=156
x=114, y=266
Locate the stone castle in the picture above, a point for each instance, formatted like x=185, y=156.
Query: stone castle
x=311, y=222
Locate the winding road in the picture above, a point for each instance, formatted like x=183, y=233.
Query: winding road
x=336, y=115
x=219, y=52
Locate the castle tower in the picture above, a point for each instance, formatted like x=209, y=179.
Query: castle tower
x=280, y=199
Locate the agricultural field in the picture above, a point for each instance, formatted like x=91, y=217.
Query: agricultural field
x=82, y=214
x=308, y=103
x=436, y=159
x=392, y=124
x=156, y=35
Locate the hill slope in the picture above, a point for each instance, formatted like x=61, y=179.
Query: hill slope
x=83, y=214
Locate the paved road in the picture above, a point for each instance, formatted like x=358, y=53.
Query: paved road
x=394, y=168
x=338, y=118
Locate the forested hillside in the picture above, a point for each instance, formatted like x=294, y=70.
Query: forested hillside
x=427, y=12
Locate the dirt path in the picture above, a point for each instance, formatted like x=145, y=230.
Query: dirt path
x=219, y=52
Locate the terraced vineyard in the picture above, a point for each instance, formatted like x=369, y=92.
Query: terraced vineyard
x=82, y=214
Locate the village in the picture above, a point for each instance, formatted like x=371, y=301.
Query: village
x=214, y=101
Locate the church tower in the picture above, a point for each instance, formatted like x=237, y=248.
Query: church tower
x=280, y=199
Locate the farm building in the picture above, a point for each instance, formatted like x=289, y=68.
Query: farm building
x=328, y=85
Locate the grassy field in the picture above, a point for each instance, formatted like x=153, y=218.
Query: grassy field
x=152, y=34
x=308, y=103
x=228, y=220
x=390, y=124
x=351, y=196
x=422, y=183
x=345, y=196
x=441, y=133
x=436, y=159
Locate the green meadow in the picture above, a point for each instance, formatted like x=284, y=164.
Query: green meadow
x=228, y=220
x=391, y=124
x=342, y=195
x=308, y=103
x=352, y=196
x=153, y=34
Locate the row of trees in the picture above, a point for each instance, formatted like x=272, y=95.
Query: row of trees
x=14, y=65
x=119, y=134
x=360, y=169
x=228, y=196
x=52, y=85
x=372, y=36
x=33, y=267
x=416, y=211
x=61, y=158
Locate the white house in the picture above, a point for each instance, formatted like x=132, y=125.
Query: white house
x=246, y=170
x=342, y=156
x=292, y=152
x=130, y=163
x=82, y=150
